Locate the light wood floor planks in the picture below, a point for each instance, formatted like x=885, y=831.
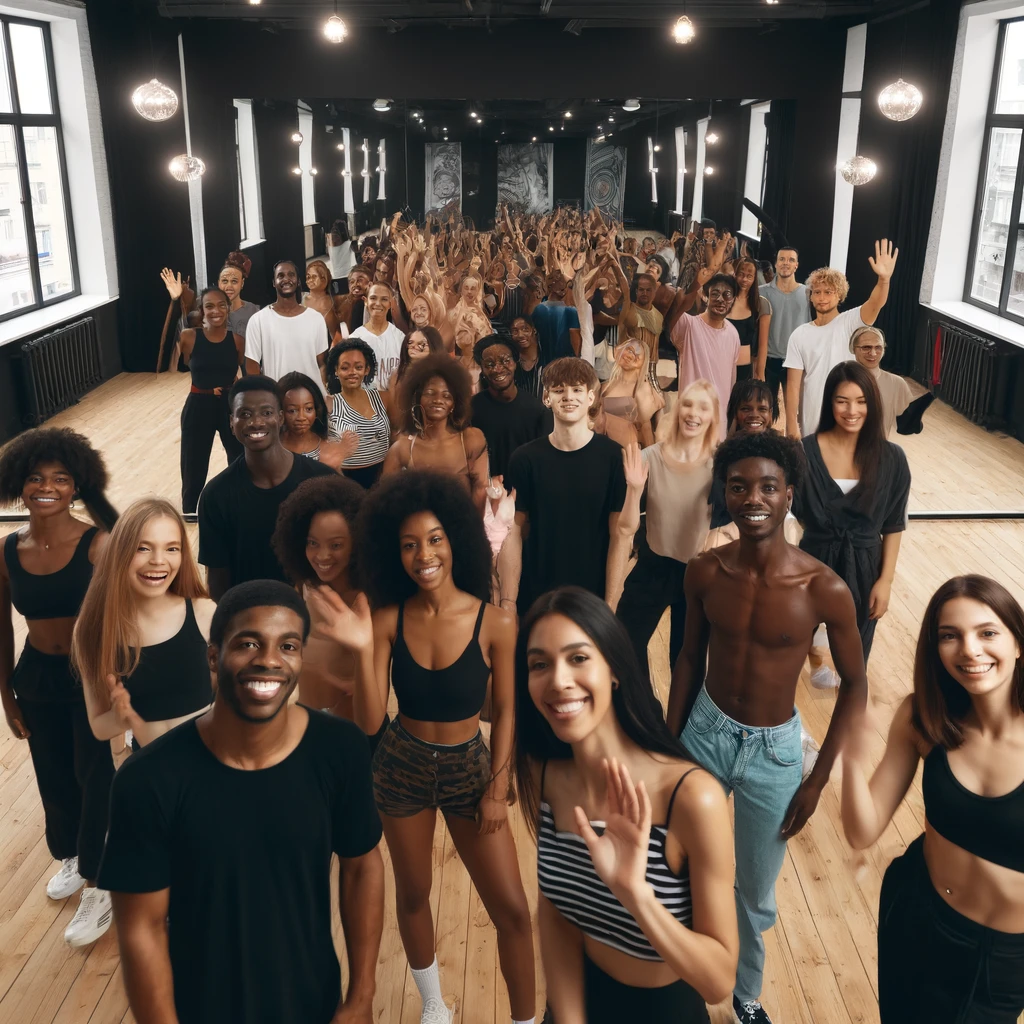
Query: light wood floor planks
x=821, y=955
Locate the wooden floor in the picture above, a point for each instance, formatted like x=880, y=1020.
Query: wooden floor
x=821, y=955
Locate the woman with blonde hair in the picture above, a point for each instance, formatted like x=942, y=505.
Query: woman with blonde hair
x=141, y=638
x=678, y=473
x=628, y=400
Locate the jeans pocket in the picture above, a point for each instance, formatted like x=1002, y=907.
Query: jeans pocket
x=702, y=720
x=785, y=752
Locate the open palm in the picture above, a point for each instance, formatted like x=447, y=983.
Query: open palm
x=332, y=619
x=619, y=854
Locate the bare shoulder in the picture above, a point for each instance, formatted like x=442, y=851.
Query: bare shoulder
x=826, y=586
x=99, y=542
x=698, y=792
x=203, y=608
x=474, y=438
x=385, y=620
x=905, y=731
x=703, y=568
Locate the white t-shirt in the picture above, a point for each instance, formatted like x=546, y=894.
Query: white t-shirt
x=286, y=343
x=815, y=350
x=342, y=259
x=387, y=347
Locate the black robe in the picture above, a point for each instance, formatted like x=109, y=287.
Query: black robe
x=847, y=536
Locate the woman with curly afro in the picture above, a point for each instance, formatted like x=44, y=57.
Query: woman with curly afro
x=314, y=544
x=45, y=573
x=425, y=563
x=435, y=397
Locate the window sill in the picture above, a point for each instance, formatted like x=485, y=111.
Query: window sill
x=982, y=320
x=38, y=320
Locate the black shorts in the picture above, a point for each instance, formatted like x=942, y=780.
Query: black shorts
x=411, y=775
x=610, y=1002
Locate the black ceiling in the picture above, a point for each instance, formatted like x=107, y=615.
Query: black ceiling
x=490, y=14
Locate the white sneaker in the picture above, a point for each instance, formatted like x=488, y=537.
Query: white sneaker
x=66, y=882
x=810, y=751
x=824, y=678
x=92, y=918
x=435, y=1012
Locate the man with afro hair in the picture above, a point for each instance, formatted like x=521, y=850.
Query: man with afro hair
x=752, y=607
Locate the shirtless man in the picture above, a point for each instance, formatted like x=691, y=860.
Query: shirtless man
x=752, y=608
x=350, y=309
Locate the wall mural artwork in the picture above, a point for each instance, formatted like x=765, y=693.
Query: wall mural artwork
x=605, y=186
x=443, y=175
x=526, y=176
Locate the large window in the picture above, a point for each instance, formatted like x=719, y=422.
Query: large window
x=995, y=270
x=37, y=247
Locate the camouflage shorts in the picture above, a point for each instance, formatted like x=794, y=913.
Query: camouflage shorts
x=411, y=775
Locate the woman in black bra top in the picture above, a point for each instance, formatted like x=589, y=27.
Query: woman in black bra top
x=44, y=574
x=140, y=644
x=951, y=909
x=425, y=563
x=637, y=909
x=213, y=354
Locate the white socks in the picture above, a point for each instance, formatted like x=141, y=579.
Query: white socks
x=428, y=981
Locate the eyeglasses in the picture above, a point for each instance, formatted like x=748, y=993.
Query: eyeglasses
x=871, y=348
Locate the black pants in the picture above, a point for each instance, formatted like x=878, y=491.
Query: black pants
x=936, y=966
x=365, y=476
x=202, y=417
x=656, y=583
x=73, y=768
x=775, y=375
x=611, y=1002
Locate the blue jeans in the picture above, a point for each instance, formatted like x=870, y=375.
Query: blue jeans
x=762, y=768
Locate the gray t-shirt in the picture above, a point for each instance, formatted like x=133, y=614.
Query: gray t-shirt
x=789, y=311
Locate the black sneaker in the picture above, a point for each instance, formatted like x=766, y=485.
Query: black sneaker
x=751, y=1012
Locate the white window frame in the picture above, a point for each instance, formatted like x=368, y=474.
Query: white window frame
x=251, y=213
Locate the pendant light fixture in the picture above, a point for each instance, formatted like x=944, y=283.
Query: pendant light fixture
x=185, y=166
x=683, y=31
x=900, y=101
x=155, y=101
x=858, y=170
x=335, y=30
x=631, y=105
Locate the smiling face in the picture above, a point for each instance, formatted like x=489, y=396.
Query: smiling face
x=695, y=411
x=256, y=419
x=498, y=367
x=299, y=412
x=351, y=369
x=976, y=647
x=358, y=282
x=720, y=300
x=569, y=680
x=329, y=545
x=157, y=558
x=316, y=280
x=378, y=301
x=48, y=489
x=436, y=401
x=286, y=280
x=709, y=235
x=259, y=662
x=569, y=403
x=786, y=263
x=746, y=275
x=868, y=349
x=215, y=310
x=630, y=356
x=230, y=282
x=757, y=497
x=524, y=334
x=419, y=311
x=850, y=407
x=425, y=550
x=754, y=414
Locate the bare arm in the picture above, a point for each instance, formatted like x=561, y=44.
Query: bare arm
x=393, y=461
x=794, y=377
x=561, y=948
x=187, y=340
x=15, y=719
x=361, y=901
x=623, y=525
x=763, y=324
x=479, y=466
x=510, y=559
x=494, y=813
x=576, y=340
x=145, y=956
x=691, y=665
x=878, y=602
x=252, y=368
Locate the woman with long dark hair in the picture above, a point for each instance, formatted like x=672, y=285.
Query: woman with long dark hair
x=634, y=846
x=853, y=502
x=426, y=564
x=305, y=430
x=44, y=575
x=419, y=343
x=951, y=909
x=751, y=315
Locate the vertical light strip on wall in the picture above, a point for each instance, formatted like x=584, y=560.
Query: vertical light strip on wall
x=306, y=164
x=195, y=188
x=698, y=171
x=349, y=202
x=382, y=167
x=680, y=169
x=653, y=169
x=849, y=132
x=366, y=170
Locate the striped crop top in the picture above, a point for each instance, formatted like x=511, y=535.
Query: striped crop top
x=567, y=877
x=374, y=434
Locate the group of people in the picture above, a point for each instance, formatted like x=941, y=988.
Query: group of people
x=501, y=565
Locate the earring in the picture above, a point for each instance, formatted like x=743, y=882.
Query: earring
x=417, y=418
x=615, y=684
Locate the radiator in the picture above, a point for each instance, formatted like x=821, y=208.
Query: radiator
x=58, y=368
x=965, y=373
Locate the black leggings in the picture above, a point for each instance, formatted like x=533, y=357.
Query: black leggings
x=202, y=417
x=365, y=476
x=655, y=583
x=936, y=966
x=612, y=1002
x=73, y=768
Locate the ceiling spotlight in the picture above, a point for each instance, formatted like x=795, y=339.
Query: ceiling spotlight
x=472, y=113
x=255, y=3
x=444, y=129
x=551, y=127
x=312, y=171
x=341, y=145
x=683, y=31
x=568, y=113
x=533, y=138
x=657, y=147
x=631, y=105
x=711, y=138
x=296, y=137
x=709, y=170
x=382, y=105
x=562, y=128
x=297, y=171
x=611, y=117
x=335, y=29
x=771, y=1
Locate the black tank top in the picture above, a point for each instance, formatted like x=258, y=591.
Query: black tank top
x=990, y=827
x=449, y=694
x=213, y=364
x=172, y=678
x=52, y=595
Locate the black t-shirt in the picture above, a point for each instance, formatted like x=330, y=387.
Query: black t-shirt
x=531, y=381
x=507, y=425
x=237, y=519
x=247, y=857
x=568, y=497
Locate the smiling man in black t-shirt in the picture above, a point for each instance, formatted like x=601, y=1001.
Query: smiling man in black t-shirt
x=238, y=507
x=220, y=841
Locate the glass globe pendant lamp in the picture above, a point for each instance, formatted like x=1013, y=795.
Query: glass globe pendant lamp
x=186, y=167
x=155, y=101
x=900, y=101
x=858, y=170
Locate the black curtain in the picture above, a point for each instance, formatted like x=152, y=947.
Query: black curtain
x=778, y=185
x=931, y=44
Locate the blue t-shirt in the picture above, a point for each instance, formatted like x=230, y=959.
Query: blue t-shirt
x=554, y=321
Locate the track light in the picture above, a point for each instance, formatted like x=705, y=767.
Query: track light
x=683, y=31
x=611, y=117
x=631, y=105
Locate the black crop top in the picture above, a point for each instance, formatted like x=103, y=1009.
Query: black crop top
x=51, y=595
x=990, y=827
x=214, y=364
x=172, y=679
x=449, y=694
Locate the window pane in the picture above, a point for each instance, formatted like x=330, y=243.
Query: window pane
x=48, y=212
x=5, y=84
x=1004, y=146
x=30, y=69
x=15, y=278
